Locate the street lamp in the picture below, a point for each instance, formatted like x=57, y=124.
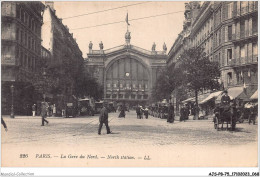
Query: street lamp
x=44, y=76
x=12, y=106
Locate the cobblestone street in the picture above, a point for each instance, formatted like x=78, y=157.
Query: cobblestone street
x=193, y=142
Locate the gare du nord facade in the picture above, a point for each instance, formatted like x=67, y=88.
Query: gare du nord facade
x=127, y=72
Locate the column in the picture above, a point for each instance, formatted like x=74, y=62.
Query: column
x=250, y=53
x=246, y=53
x=233, y=31
x=238, y=30
x=238, y=54
x=233, y=53
x=250, y=26
x=246, y=27
x=238, y=7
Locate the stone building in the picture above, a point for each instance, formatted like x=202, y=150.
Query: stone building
x=127, y=72
x=228, y=32
x=65, y=59
x=20, y=52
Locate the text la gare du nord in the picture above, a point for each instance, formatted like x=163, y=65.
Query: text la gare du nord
x=89, y=156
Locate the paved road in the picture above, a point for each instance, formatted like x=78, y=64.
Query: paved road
x=193, y=143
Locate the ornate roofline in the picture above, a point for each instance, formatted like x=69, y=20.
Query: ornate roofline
x=120, y=48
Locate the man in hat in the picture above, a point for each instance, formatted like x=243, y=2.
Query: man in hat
x=225, y=99
x=44, y=110
x=103, y=119
x=225, y=103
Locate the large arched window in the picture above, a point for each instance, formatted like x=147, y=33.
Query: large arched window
x=129, y=77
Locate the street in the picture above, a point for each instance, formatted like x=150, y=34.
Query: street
x=182, y=144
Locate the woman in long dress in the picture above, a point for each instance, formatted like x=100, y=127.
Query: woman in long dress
x=122, y=111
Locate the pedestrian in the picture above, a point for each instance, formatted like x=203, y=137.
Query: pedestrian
x=54, y=110
x=186, y=112
x=103, y=119
x=44, y=111
x=63, y=111
x=33, y=110
x=4, y=124
x=146, y=113
x=49, y=110
x=138, y=111
x=122, y=111
x=141, y=112
x=170, y=117
x=182, y=113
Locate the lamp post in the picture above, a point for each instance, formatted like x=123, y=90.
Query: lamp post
x=44, y=76
x=12, y=106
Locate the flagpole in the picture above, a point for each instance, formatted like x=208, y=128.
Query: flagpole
x=127, y=21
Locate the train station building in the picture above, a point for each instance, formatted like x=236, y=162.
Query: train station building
x=127, y=72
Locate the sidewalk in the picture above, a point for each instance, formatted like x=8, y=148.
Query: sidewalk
x=28, y=117
x=39, y=117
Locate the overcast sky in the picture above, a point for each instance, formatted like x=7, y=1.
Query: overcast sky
x=143, y=32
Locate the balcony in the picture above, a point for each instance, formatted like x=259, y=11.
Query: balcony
x=245, y=10
x=244, y=36
x=231, y=62
x=255, y=58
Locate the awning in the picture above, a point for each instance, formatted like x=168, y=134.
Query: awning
x=254, y=96
x=189, y=100
x=200, y=98
x=84, y=99
x=212, y=95
x=233, y=93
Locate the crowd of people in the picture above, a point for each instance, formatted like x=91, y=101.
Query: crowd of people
x=142, y=112
x=161, y=111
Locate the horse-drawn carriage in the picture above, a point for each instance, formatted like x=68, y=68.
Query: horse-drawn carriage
x=225, y=115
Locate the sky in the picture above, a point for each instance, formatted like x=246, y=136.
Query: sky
x=144, y=32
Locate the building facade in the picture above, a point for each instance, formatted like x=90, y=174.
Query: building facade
x=127, y=72
x=20, y=52
x=65, y=57
x=228, y=32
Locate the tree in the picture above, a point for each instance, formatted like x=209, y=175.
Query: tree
x=87, y=85
x=168, y=80
x=198, y=72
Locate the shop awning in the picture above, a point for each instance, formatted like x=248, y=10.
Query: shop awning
x=200, y=98
x=254, y=96
x=189, y=100
x=84, y=99
x=233, y=92
x=211, y=96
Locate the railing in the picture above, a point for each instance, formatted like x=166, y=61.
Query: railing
x=96, y=52
x=232, y=62
x=242, y=59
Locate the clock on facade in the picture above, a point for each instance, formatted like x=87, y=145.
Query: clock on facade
x=127, y=74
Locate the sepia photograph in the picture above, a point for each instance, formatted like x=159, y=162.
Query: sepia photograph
x=130, y=84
